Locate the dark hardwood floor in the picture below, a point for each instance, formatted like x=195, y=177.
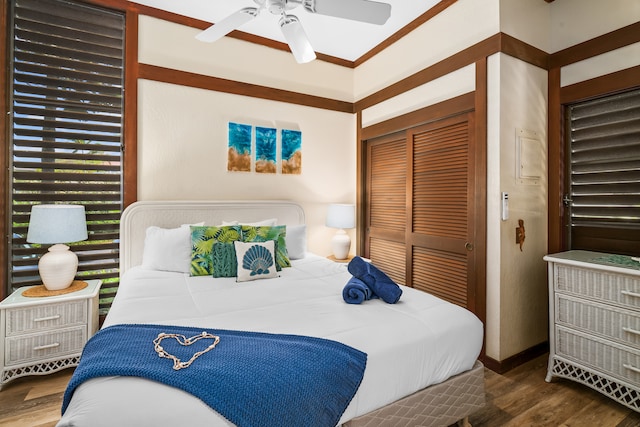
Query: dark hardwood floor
x=520, y=397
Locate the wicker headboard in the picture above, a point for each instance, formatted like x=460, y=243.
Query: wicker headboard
x=170, y=214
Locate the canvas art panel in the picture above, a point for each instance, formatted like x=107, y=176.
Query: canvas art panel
x=239, y=151
x=265, y=149
x=291, y=152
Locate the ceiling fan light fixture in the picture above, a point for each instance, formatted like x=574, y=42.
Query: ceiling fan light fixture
x=228, y=24
x=297, y=39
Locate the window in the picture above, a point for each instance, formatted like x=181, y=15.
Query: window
x=66, y=77
x=603, y=201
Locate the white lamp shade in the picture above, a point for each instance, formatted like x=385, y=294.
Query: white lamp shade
x=341, y=216
x=57, y=224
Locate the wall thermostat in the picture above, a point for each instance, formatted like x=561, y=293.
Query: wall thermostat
x=505, y=206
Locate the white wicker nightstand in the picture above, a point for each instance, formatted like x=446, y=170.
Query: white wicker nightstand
x=594, y=316
x=41, y=335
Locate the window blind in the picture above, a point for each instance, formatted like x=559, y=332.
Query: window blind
x=66, y=128
x=604, y=161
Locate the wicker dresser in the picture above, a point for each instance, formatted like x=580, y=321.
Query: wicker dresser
x=594, y=314
x=41, y=335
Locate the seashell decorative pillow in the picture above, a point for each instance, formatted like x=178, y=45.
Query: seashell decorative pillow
x=256, y=260
x=278, y=233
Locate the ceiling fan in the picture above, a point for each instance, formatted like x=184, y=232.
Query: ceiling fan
x=367, y=11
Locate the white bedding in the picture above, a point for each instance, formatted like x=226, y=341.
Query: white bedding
x=419, y=341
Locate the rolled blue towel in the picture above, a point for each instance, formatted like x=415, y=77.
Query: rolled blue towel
x=375, y=279
x=356, y=292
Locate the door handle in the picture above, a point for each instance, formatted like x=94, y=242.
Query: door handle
x=468, y=246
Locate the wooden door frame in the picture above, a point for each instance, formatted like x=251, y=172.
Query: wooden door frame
x=473, y=101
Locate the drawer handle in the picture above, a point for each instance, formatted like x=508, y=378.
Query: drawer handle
x=44, y=347
x=631, y=368
x=44, y=319
x=631, y=294
x=631, y=331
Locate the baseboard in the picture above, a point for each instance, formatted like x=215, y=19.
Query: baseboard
x=509, y=363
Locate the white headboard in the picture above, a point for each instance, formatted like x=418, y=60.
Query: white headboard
x=171, y=214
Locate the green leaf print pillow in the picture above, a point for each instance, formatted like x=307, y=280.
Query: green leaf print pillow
x=202, y=240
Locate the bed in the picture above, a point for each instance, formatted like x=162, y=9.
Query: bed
x=421, y=353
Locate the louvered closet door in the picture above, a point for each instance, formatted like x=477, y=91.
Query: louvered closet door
x=440, y=236
x=386, y=202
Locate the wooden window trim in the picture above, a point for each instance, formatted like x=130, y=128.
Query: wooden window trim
x=130, y=178
x=4, y=159
x=558, y=99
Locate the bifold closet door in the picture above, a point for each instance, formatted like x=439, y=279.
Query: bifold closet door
x=419, y=210
x=439, y=237
x=386, y=217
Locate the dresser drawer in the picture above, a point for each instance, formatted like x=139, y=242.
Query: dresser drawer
x=46, y=317
x=609, y=322
x=618, y=289
x=603, y=356
x=35, y=347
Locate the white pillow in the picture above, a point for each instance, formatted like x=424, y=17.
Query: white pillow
x=256, y=260
x=167, y=249
x=296, y=240
x=265, y=222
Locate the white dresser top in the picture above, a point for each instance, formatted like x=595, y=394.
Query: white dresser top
x=623, y=264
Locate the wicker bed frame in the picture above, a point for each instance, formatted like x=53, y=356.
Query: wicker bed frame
x=438, y=405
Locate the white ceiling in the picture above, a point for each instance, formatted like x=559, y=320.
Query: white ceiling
x=337, y=37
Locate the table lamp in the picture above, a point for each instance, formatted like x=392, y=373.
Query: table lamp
x=341, y=216
x=57, y=224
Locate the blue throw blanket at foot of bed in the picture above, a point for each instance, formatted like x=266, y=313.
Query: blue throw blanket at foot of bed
x=251, y=378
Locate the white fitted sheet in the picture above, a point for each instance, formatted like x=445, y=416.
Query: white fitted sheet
x=420, y=341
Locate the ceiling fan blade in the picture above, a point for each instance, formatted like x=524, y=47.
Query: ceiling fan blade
x=228, y=24
x=372, y=12
x=297, y=39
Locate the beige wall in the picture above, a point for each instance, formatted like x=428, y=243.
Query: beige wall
x=174, y=46
x=182, y=138
x=516, y=279
x=575, y=21
x=461, y=25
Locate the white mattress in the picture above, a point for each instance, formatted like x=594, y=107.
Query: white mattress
x=419, y=341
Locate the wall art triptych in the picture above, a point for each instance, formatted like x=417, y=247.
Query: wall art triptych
x=257, y=146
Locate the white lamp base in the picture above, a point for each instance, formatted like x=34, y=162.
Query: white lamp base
x=58, y=267
x=340, y=244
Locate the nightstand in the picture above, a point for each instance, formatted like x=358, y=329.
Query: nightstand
x=42, y=335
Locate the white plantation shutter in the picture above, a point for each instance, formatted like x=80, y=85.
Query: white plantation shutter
x=604, y=176
x=67, y=104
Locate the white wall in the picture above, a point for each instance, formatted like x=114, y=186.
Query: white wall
x=446, y=87
x=527, y=20
x=610, y=62
x=463, y=24
x=182, y=132
x=174, y=46
x=522, y=273
x=576, y=21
